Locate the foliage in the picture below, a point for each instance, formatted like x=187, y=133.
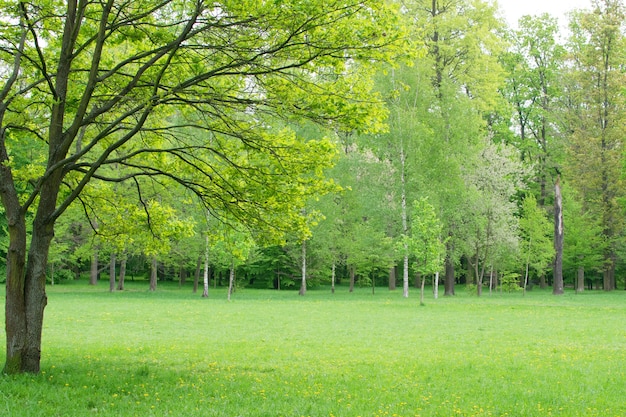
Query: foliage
x=535, y=231
x=426, y=241
x=509, y=282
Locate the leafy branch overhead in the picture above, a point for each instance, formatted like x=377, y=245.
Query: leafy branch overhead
x=173, y=94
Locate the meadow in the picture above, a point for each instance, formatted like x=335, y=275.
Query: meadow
x=274, y=353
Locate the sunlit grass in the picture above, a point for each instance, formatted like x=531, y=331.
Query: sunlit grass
x=269, y=353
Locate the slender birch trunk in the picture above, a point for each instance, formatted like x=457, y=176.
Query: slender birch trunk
x=332, y=278
x=303, y=283
x=205, y=292
x=405, y=225
x=231, y=278
x=436, y=286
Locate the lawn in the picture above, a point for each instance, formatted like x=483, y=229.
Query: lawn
x=270, y=353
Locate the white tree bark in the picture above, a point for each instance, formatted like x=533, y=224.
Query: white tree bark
x=205, y=292
x=303, y=284
x=231, y=278
x=405, y=226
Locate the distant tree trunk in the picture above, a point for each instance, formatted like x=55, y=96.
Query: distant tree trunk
x=436, y=286
x=542, y=281
x=231, y=278
x=51, y=273
x=332, y=279
x=303, y=282
x=557, y=286
x=351, y=268
x=405, y=273
x=392, y=278
x=205, y=292
x=479, y=279
x=112, y=273
x=196, y=277
x=449, y=280
x=580, y=279
x=373, y=281
x=405, y=224
x=182, y=276
x=93, y=274
x=423, y=280
x=153, y=274
x=120, y=284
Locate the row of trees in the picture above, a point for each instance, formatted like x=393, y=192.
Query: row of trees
x=290, y=142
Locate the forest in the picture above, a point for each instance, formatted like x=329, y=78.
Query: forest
x=286, y=145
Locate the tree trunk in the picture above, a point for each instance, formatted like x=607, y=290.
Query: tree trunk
x=580, y=279
x=392, y=278
x=436, y=286
x=405, y=273
x=557, y=286
x=205, y=292
x=405, y=224
x=153, y=274
x=120, y=283
x=351, y=268
x=196, y=277
x=112, y=273
x=182, y=276
x=449, y=280
x=332, y=279
x=303, y=282
x=231, y=278
x=93, y=274
x=25, y=294
x=423, y=279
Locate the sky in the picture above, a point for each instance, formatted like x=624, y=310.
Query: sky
x=514, y=9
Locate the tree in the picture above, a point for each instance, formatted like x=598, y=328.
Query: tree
x=536, y=245
x=596, y=110
x=182, y=92
x=426, y=242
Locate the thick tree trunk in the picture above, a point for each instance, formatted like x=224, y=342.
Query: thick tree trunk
x=15, y=307
x=120, y=283
x=392, y=278
x=153, y=274
x=449, y=280
x=557, y=286
x=93, y=274
x=580, y=279
x=182, y=276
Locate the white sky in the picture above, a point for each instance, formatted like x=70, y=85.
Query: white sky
x=514, y=9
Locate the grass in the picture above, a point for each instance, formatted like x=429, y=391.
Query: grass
x=269, y=353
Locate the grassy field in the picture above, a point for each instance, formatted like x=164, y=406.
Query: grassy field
x=269, y=353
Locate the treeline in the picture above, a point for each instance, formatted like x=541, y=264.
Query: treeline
x=454, y=177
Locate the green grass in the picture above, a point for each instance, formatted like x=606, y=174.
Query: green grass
x=269, y=353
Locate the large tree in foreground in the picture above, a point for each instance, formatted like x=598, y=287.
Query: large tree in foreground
x=181, y=92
